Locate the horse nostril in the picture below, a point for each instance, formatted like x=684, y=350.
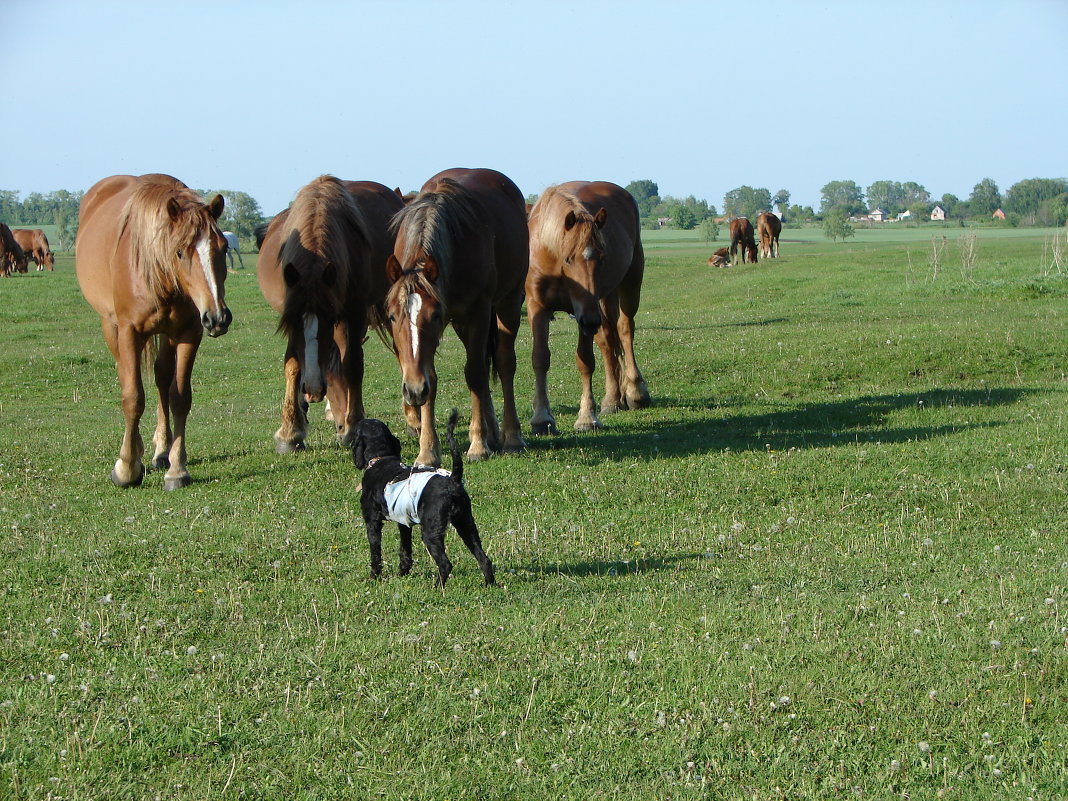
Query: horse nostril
x=227, y=316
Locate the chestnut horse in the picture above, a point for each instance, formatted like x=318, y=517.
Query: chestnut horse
x=721, y=258
x=742, y=234
x=12, y=256
x=34, y=244
x=460, y=257
x=152, y=261
x=768, y=228
x=586, y=258
x=322, y=264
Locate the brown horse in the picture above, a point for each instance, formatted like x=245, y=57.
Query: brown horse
x=35, y=245
x=742, y=234
x=768, y=228
x=12, y=256
x=322, y=264
x=721, y=258
x=586, y=258
x=460, y=257
x=152, y=262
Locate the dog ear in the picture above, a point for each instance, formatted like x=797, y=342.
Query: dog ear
x=357, y=452
x=395, y=443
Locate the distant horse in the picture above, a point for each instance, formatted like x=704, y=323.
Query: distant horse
x=768, y=228
x=34, y=244
x=12, y=256
x=721, y=258
x=586, y=258
x=742, y=234
x=151, y=261
x=460, y=257
x=322, y=264
x=232, y=247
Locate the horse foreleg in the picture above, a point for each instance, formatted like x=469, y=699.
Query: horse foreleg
x=164, y=372
x=429, y=445
x=289, y=438
x=587, y=414
x=506, y=368
x=485, y=434
x=542, y=421
x=349, y=340
x=181, y=401
x=129, y=471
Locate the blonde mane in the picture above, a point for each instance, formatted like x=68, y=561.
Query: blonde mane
x=156, y=238
x=553, y=207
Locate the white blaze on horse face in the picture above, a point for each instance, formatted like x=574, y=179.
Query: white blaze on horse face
x=589, y=252
x=204, y=254
x=312, y=375
x=415, y=305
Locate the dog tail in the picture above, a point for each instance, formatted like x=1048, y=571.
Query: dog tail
x=454, y=449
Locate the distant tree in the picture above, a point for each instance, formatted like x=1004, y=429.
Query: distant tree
x=781, y=201
x=1025, y=197
x=951, y=204
x=684, y=218
x=920, y=211
x=1053, y=211
x=914, y=193
x=241, y=214
x=646, y=194
x=836, y=224
x=845, y=195
x=10, y=208
x=886, y=195
x=985, y=198
x=799, y=214
x=745, y=201
x=709, y=229
x=532, y=198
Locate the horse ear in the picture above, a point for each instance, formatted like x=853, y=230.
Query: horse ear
x=430, y=269
x=570, y=220
x=600, y=217
x=291, y=275
x=215, y=208
x=393, y=269
x=174, y=211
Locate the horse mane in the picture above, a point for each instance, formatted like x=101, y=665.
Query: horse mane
x=431, y=224
x=155, y=238
x=323, y=222
x=553, y=207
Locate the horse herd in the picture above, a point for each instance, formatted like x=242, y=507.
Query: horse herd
x=20, y=246
x=768, y=228
x=349, y=256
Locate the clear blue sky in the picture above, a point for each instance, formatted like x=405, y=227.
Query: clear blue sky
x=701, y=97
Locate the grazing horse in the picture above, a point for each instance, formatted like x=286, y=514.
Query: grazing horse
x=768, y=228
x=152, y=261
x=322, y=265
x=233, y=246
x=460, y=257
x=34, y=244
x=586, y=258
x=742, y=234
x=721, y=258
x=12, y=256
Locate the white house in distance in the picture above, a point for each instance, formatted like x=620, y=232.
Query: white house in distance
x=938, y=213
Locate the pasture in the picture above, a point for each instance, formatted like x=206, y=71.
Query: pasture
x=831, y=560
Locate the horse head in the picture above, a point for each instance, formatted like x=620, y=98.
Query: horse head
x=584, y=251
x=417, y=316
x=200, y=260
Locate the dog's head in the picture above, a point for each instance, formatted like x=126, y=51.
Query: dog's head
x=373, y=439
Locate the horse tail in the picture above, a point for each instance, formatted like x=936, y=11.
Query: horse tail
x=149, y=353
x=491, y=348
x=454, y=449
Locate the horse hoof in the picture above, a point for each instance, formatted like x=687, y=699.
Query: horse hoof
x=610, y=408
x=171, y=483
x=544, y=429
x=283, y=446
x=478, y=456
x=161, y=462
x=125, y=484
x=592, y=425
x=411, y=431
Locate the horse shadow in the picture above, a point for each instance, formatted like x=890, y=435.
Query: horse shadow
x=818, y=425
x=606, y=568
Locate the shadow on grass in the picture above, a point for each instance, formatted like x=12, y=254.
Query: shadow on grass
x=818, y=425
x=607, y=568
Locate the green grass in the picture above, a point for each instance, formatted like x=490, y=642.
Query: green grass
x=830, y=561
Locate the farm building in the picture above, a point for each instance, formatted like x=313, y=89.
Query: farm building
x=938, y=213
x=998, y=215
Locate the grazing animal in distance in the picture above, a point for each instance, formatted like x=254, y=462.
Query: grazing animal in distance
x=35, y=245
x=742, y=236
x=586, y=258
x=424, y=496
x=151, y=260
x=460, y=258
x=322, y=267
x=721, y=258
x=768, y=228
x=12, y=256
x=233, y=246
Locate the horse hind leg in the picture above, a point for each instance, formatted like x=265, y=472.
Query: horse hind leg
x=163, y=368
x=181, y=400
x=129, y=471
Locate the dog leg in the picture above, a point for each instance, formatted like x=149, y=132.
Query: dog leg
x=434, y=540
x=405, y=550
x=464, y=522
x=374, y=540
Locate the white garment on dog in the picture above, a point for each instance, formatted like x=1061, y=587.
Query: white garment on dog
x=402, y=496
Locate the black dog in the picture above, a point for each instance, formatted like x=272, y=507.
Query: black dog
x=441, y=501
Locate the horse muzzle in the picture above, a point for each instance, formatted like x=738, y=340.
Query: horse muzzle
x=217, y=324
x=415, y=394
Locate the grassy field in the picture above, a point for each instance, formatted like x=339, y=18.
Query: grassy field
x=829, y=562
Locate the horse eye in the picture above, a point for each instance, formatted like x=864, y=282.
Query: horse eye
x=179, y=254
x=393, y=318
